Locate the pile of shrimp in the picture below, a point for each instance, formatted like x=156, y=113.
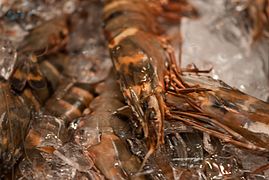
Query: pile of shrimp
x=158, y=91
x=94, y=90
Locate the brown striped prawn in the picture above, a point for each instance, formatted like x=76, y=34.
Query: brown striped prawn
x=140, y=56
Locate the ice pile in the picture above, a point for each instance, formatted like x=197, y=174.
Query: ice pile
x=217, y=39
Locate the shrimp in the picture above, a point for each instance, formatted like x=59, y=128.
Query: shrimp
x=111, y=154
x=140, y=56
x=222, y=111
x=258, y=13
x=46, y=154
x=41, y=79
x=26, y=90
x=47, y=37
x=69, y=101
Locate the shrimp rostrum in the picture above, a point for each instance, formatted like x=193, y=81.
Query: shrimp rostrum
x=150, y=81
